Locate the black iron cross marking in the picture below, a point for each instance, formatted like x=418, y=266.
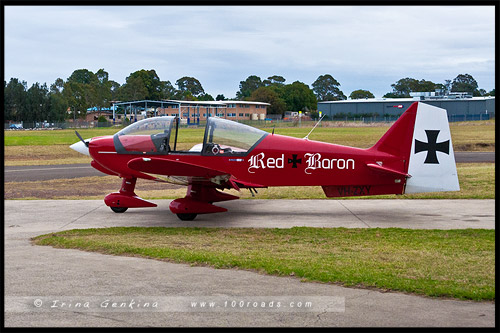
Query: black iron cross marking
x=294, y=160
x=431, y=146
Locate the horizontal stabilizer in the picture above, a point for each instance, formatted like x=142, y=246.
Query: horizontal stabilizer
x=387, y=170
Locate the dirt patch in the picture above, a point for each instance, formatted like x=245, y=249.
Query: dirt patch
x=88, y=187
x=478, y=146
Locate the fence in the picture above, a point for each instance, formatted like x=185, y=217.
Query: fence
x=58, y=125
x=256, y=123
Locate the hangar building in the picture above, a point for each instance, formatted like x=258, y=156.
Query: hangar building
x=459, y=109
x=189, y=111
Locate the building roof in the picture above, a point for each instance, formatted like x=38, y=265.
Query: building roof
x=221, y=103
x=171, y=101
x=402, y=100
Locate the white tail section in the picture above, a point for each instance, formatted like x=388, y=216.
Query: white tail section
x=432, y=160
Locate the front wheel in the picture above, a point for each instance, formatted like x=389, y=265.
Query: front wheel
x=187, y=216
x=119, y=209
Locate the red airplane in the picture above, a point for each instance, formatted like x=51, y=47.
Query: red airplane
x=414, y=155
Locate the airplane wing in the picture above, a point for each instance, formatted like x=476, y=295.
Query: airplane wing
x=181, y=173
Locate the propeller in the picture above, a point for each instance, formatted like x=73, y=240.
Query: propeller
x=80, y=137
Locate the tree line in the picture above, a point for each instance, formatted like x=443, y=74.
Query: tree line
x=84, y=89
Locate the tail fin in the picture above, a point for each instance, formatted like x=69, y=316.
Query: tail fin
x=422, y=138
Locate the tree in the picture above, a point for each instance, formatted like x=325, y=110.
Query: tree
x=83, y=76
x=190, y=84
x=220, y=97
x=57, y=102
x=447, y=85
x=205, y=97
x=327, y=88
x=424, y=85
x=248, y=86
x=37, y=103
x=114, y=88
x=134, y=89
x=274, y=80
x=149, y=80
x=167, y=90
x=269, y=95
x=403, y=87
x=299, y=97
x=361, y=94
x=103, y=89
x=58, y=107
x=465, y=83
x=84, y=89
x=74, y=95
x=14, y=99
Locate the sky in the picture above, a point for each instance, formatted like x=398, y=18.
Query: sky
x=362, y=47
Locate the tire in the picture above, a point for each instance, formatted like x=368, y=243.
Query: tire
x=119, y=209
x=187, y=216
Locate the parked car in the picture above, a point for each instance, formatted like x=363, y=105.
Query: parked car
x=16, y=126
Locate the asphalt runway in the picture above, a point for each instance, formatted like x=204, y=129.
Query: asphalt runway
x=48, y=172
x=38, y=278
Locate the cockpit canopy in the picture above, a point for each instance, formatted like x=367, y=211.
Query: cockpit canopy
x=158, y=135
x=148, y=136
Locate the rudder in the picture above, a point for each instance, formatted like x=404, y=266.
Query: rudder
x=432, y=160
x=421, y=138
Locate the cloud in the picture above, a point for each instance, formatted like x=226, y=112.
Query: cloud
x=222, y=45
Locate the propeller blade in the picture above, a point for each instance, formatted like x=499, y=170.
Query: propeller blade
x=80, y=137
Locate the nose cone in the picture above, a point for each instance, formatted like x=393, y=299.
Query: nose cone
x=80, y=147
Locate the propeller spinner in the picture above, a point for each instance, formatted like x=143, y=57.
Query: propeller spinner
x=81, y=146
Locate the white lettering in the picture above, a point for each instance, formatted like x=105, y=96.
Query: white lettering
x=314, y=161
x=260, y=162
x=256, y=162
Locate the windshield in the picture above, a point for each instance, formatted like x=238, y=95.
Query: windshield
x=148, y=126
x=228, y=137
x=148, y=136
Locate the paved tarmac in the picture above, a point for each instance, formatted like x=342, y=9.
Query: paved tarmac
x=39, y=274
x=47, y=172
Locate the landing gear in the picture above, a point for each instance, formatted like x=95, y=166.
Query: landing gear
x=120, y=201
x=199, y=200
x=187, y=216
x=119, y=209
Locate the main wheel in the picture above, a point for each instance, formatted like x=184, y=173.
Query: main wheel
x=187, y=216
x=119, y=209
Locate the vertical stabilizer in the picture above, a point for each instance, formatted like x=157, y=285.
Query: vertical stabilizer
x=432, y=160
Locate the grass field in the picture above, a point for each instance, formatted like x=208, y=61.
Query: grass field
x=477, y=181
x=445, y=263
x=52, y=147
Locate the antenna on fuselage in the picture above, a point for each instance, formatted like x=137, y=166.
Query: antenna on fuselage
x=307, y=136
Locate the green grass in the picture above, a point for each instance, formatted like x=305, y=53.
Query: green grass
x=478, y=135
x=52, y=137
x=438, y=263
